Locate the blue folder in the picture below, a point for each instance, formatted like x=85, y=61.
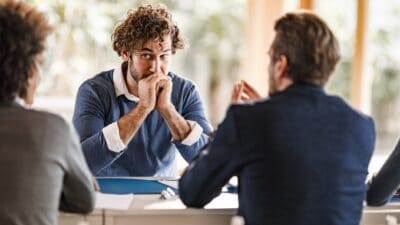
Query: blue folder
x=395, y=198
x=136, y=185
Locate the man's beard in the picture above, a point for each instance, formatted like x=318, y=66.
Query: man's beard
x=135, y=75
x=272, y=88
x=271, y=81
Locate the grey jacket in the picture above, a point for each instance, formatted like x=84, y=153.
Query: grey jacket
x=42, y=168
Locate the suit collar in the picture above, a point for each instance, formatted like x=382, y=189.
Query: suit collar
x=306, y=85
x=18, y=103
x=302, y=86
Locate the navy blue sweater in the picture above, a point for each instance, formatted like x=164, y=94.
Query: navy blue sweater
x=150, y=152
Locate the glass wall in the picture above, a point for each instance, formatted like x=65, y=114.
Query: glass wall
x=382, y=63
x=385, y=60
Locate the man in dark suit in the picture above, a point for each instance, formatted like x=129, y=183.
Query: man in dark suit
x=301, y=155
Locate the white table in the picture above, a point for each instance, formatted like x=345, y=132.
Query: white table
x=377, y=215
x=149, y=209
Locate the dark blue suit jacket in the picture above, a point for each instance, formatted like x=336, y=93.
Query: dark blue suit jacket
x=301, y=158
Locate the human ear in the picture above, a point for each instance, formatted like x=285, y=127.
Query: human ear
x=125, y=55
x=281, y=66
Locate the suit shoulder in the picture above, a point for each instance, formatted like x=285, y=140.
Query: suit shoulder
x=253, y=106
x=340, y=103
x=46, y=118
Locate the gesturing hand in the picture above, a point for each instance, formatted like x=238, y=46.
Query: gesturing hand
x=243, y=91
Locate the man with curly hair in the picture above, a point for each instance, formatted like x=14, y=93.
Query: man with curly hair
x=41, y=165
x=132, y=119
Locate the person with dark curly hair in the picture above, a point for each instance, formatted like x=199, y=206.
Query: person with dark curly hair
x=132, y=119
x=41, y=164
x=301, y=155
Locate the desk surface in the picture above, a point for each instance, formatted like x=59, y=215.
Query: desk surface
x=152, y=204
x=149, y=209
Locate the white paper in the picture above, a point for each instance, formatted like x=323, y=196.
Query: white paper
x=224, y=201
x=172, y=203
x=113, y=201
x=171, y=183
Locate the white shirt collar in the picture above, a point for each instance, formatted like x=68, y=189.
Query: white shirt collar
x=21, y=102
x=120, y=85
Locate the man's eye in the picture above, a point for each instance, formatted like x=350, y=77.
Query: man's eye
x=165, y=56
x=146, y=56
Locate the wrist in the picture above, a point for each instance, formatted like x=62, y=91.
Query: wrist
x=144, y=108
x=166, y=108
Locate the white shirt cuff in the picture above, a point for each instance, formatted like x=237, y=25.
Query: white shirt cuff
x=194, y=135
x=113, y=140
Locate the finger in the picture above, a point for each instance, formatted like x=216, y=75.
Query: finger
x=235, y=92
x=244, y=98
x=164, y=76
x=164, y=82
x=158, y=86
x=150, y=77
x=149, y=81
x=241, y=88
x=154, y=80
x=251, y=91
x=250, y=88
x=238, y=92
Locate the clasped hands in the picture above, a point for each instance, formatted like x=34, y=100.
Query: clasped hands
x=154, y=92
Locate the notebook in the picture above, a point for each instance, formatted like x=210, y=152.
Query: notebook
x=136, y=185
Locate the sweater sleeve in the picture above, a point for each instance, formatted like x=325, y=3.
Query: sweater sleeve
x=193, y=111
x=89, y=121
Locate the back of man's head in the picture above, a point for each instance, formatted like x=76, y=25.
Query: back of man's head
x=311, y=48
x=23, y=31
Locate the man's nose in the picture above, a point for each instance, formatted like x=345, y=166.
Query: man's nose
x=156, y=66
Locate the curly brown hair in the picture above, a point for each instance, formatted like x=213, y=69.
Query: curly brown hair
x=311, y=48
x=23, y=32
x=147, y=22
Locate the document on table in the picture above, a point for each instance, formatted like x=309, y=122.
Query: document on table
x=137, y=185
x=113, y=201
x=170, y=182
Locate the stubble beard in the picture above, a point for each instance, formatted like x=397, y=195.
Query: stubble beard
x=135, y=75
x=271, y=81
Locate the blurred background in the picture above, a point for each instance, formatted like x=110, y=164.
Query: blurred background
x=228, y=40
